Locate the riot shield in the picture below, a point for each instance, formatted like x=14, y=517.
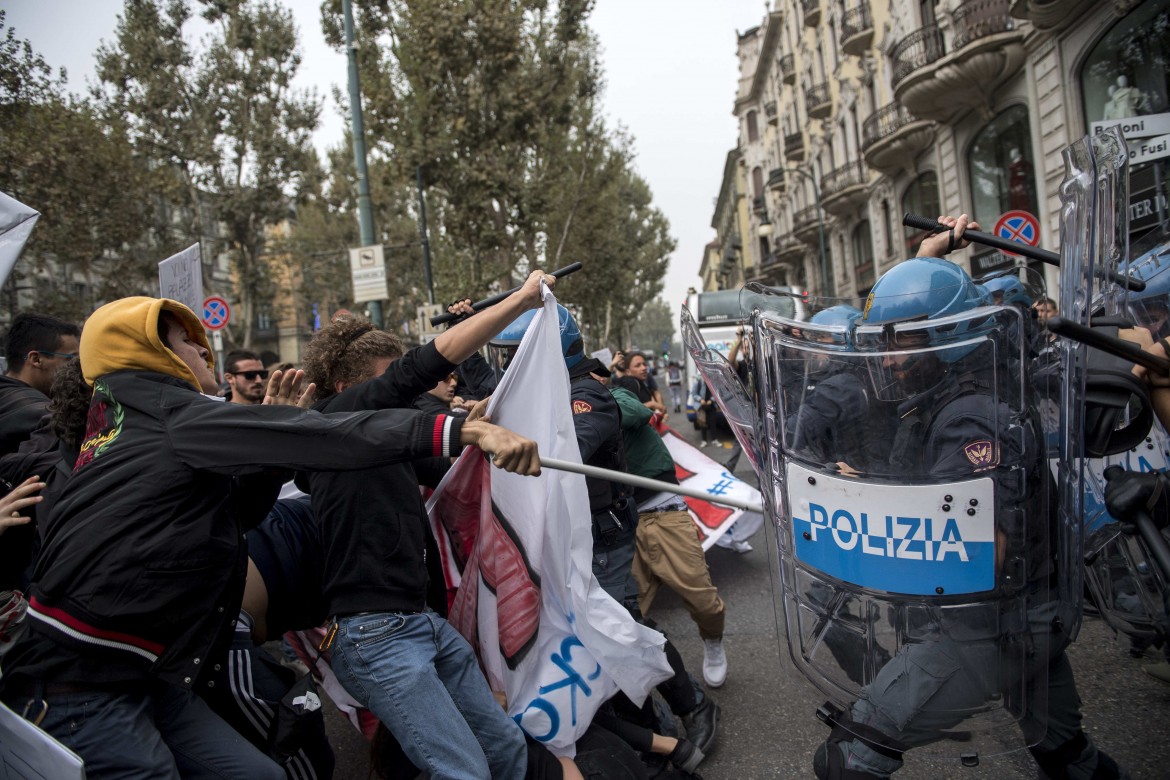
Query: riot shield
x=912, y=502
x=1119, y=573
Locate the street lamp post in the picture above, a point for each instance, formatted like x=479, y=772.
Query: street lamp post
x=820, y=228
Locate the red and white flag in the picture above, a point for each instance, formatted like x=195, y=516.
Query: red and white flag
x=520, y=549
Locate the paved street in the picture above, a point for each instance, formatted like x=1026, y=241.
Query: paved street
x=768, y=728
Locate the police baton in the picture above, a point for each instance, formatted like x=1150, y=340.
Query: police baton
x=1121, y=348
x=440, y=319
x=643, y=482
x=995, y=242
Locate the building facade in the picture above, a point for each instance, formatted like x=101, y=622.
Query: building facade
x=854, y=112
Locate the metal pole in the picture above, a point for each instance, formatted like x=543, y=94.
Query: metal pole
x=644, y=482
x=422, y=229
x=365, y=209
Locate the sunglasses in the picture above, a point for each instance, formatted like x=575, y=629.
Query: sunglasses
x=66, y=355
x=250, y=375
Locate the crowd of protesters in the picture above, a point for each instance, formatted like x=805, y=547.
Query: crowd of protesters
x=159, y=527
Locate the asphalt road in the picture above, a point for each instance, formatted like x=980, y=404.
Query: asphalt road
x=768, y=729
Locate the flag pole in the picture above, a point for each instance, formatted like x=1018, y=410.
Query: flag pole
x=645, y=482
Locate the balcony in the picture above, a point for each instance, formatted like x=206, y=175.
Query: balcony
x=771, y=113
x=1050, y=15
x=794, y=147
x=788, y=251
x=892, y=138
x=812, y=12
x=842, y=189
x=917, y=50
x=986, y=51
x=806, y=226
x=818, y=101
x=788, y=69
x=857, y=30
x=759, y=206
x=777, y=180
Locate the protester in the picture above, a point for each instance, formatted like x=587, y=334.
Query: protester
x=141, y=572
x=246, y=377
x=636, y=378
x=398, y=659
x=36, y=348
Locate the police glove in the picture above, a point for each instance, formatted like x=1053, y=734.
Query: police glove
x=1129, y=492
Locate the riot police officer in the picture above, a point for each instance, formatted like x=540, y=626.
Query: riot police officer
x=959, y=426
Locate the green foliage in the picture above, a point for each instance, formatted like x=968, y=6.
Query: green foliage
x=496, y=100
x=81, y=173
x=225, y=119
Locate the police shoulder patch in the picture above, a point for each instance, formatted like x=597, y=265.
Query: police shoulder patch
x=980, y=453
x=580, y=407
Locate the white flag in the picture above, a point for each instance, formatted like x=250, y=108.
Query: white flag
x=521, y=549
x=16, y=222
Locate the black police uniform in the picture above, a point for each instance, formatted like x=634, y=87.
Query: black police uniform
x=931, y=434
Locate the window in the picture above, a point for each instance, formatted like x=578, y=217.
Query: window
x=1126, y=78
x=862, y=241
x=758, y=182
x=921, y=197
x=752, y=127
x=887, y=239
x=999, y=163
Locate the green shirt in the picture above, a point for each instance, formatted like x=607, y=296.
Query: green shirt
x=646, y=453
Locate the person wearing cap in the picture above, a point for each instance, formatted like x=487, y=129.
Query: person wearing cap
x=140, y=576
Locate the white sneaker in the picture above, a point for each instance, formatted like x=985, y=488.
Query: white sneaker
x=703, y=444
x=741, y=547
x=714, y=663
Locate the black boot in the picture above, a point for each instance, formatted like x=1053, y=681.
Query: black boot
x=701, y=723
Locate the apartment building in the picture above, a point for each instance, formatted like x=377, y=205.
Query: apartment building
x=852, y=112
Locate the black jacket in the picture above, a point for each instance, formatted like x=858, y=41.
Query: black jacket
x=597, y=422
x=21, y=409
x=142, y=567
x=374, y=522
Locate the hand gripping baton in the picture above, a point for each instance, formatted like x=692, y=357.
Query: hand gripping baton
x=440, y=319
x=994, y=241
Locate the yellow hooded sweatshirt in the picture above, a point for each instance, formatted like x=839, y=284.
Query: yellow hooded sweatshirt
x=124, y=336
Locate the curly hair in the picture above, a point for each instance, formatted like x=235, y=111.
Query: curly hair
x=69, y=404
x=345, y=351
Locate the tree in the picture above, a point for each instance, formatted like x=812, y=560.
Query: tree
x=227, y=122
x=654, y=327
x=59, y=157
x=497, y=101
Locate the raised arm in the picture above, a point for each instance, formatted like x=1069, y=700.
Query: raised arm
x=458, y=343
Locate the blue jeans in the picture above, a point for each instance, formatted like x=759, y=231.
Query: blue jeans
x=165, y=733
x=422, y=680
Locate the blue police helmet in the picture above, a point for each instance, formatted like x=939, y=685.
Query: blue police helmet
x=1006, y=288
x=841, y=314
x=1153, y=268
x=921, y=288
x=925, y=288
x=572, y=346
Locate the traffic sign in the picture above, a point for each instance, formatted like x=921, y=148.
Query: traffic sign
x=216, y=313
x=1019, y=226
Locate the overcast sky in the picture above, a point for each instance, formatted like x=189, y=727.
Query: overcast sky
x=670, y=67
